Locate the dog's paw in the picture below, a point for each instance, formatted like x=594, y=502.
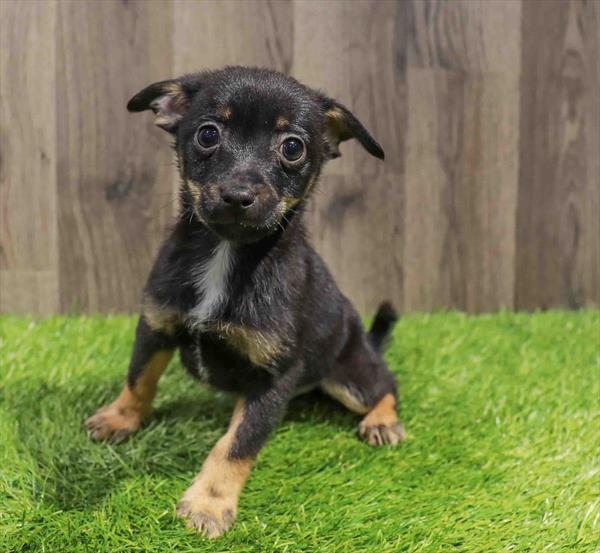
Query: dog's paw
x=113, y=423
x=381, y=434
x=207, y=515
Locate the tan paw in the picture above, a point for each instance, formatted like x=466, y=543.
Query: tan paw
x=113, y=423
x=380, y=434
x=211, y=516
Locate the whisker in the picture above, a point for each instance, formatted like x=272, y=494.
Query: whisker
x=280, y=225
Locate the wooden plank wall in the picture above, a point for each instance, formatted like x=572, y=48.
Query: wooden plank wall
x=488, y=111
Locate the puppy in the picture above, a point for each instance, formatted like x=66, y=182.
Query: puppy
x=237, y=288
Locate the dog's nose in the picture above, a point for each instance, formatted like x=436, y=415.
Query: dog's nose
x=239, y=197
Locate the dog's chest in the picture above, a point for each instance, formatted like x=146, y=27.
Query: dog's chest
x=211, y=282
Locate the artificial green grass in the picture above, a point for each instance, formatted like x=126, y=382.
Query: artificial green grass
x=502, y=414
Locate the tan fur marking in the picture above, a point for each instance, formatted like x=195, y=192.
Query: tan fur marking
x=162, y=121
x=194, y=189
x=125, y=414
x=226, y=113
x=289, y=202
x=344, y=395
x=381, y=425
x=260, y=347
x=210, y=503
x=178, y=102
x=175, y=91
x=172, y=87
x=173, y=102
x=336, y=121
x=335, y=114
x=383, y=413
x=281, y=123
x=337, y=126
x=139, y=398
x=159, y=318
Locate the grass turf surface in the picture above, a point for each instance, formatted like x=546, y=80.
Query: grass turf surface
x=502, y=414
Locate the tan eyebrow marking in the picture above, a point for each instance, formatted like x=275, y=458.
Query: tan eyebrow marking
x=281, y=123
x=226, y=112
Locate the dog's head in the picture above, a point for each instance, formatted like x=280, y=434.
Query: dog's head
x=250, y=144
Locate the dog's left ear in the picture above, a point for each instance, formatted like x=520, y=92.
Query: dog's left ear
x=340, y=125
x=169, y=100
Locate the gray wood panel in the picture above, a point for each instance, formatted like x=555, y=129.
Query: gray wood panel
x=558, y=235
x=488, y=112
x=28, y=236
x=114, y=168
x=462, y=154
x=209, y=34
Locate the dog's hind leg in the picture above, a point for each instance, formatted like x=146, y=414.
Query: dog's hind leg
x=380, y=424
x=361, y=382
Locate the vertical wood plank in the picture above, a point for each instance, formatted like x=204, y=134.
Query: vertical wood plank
x=209, y=34
x=489, y=196
x=350, y=50
x=28, y=249
x=558, y=252
x=114, y=170
x=462, y=153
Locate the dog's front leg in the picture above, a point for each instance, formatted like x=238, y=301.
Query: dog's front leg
x=152, y=352
x=210, y=503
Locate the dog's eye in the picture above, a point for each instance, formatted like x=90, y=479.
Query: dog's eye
x=292, y=149
x=208, y=136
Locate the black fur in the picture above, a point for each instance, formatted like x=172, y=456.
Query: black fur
x=146, y=343
x=279, y=285
x=279, y=291
x=384, y=321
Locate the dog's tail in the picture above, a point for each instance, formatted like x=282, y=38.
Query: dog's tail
x=384, y=321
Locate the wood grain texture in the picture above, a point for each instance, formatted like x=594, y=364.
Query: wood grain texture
x=558, y=244
x=349, y=50
x=462, y=154
x=114, y=170
x=488, y=111
x=209, y=34
x=28, y=237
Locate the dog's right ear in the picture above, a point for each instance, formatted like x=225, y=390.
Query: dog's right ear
x=169, y=100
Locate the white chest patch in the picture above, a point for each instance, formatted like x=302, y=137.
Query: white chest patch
x=211, y=281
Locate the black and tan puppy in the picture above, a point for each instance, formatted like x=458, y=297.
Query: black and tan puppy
x=237, y=288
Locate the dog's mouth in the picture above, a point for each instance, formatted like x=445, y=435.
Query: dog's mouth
x=240, y=228
x=241, y=233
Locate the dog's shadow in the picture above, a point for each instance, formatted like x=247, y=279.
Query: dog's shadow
x=74, y=473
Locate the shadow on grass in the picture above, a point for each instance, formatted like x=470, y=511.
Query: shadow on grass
x=75, y=473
